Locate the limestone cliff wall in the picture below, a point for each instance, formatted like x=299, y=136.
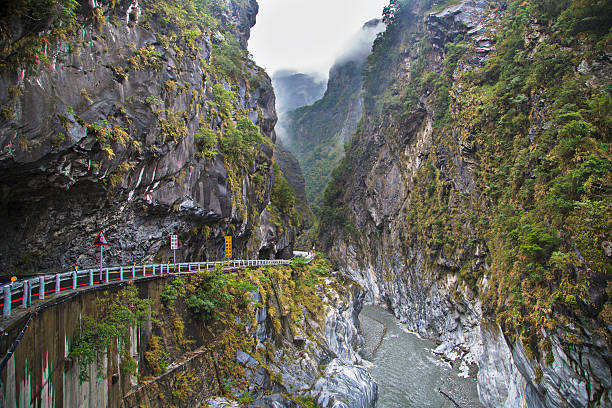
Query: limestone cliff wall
x=411, y=214
x=106, y=128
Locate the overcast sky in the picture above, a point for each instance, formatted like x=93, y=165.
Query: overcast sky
x=306, y=35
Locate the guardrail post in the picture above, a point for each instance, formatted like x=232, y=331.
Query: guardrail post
x=41, y=287
x=74, y=279
x=121, y=273
x=133, y=271
x=24, y=301
x=106, y=276
x=58, y=279
x=6, y=310
x=91, y=283
x=153, y=269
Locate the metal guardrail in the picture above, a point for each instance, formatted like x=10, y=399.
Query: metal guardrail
x=20, y=293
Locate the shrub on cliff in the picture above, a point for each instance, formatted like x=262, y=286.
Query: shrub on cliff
x=98, y=334
x=282, y=195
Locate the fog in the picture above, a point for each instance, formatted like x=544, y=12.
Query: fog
x=307, y=36
x=359, y=45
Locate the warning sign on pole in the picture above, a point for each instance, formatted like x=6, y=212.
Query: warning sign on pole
x=228, y=247
x=100, y=239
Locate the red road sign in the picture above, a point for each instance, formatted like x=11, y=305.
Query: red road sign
x=101, y=239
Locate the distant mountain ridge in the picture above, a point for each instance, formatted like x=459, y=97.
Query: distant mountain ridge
x=295, y=89
x=316, y=134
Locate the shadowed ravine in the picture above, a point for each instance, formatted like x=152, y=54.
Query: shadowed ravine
x=407, y=372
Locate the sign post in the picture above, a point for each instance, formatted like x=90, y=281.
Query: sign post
x=101, y=241
x=228, y=247
x=174, y=246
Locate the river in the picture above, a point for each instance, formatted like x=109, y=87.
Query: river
x=407, y=372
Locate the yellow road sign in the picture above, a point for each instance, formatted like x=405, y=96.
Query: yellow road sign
x=228, y=247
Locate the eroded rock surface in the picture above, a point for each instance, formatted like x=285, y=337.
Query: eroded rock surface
x=104, y=133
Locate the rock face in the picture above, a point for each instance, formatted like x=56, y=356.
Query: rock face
x=302, y=351
x=411, y=214
x=107, y=130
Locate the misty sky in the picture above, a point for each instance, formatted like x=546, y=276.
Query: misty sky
x=306, y=35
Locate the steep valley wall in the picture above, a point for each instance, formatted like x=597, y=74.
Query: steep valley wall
x=287, y=337
x=139, y=119
x=449, y=207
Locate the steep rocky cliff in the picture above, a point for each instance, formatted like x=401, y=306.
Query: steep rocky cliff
x=268, y=337
x=142, y=119
x=316, y=133
x=474, y=201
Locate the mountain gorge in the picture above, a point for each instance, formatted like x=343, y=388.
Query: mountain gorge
x=146, y=119
x=474, y=199
x=458, y=163
x=294, y=89
x=315, y=134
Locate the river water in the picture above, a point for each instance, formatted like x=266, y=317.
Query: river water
x=407, y=372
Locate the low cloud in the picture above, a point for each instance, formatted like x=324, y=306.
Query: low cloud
x=359, y=46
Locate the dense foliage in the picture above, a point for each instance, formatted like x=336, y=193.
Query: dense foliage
x=216, y=309
x=536, y=119
x=110, y=325
x=282, y=196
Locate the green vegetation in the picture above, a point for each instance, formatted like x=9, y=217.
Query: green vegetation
x=333, y=210
x=155, y=356
x=538, y=129
x=173, y=126
x=229, y=59
x=215, y=290
x=241, y=142
x=308, y=402
x=45, y=21
x=206, y=141
x=146, y=58
x=550, y=193
x=315, y=130
x=282, y=196
x=240, y=139
x=98, y=333
x=247, y=397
